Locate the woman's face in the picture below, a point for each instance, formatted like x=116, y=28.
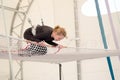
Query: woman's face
x=57, y=37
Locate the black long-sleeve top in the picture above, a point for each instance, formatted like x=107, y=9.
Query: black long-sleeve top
x=43, y=33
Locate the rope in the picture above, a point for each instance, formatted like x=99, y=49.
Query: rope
x=31, y=23
x=111, y=24
x=104, y=38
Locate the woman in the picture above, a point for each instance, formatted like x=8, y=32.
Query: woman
x=40, y=35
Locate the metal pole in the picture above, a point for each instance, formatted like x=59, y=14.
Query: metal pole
x=77, y=36
x=11, y=9
x=8, y=46
x=21, y=66
x=60, y=71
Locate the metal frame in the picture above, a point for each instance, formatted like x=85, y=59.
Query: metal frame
x=17, y=14
x=11, y=9
x=20, y=71
x=21, y=16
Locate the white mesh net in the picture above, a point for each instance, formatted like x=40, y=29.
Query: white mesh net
x=20, y=47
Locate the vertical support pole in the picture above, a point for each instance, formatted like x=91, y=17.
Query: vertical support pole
x=76, y=22
x=21, y=66
x=104, y=39
x=79, y=70
x=77, y=36
x=60, y=71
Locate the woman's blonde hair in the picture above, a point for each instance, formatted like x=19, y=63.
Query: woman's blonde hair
x=60, y=31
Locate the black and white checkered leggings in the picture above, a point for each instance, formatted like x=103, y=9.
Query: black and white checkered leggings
x=33, y=49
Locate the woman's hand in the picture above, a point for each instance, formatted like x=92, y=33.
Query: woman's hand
x=42, y=43
x=59, y=48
